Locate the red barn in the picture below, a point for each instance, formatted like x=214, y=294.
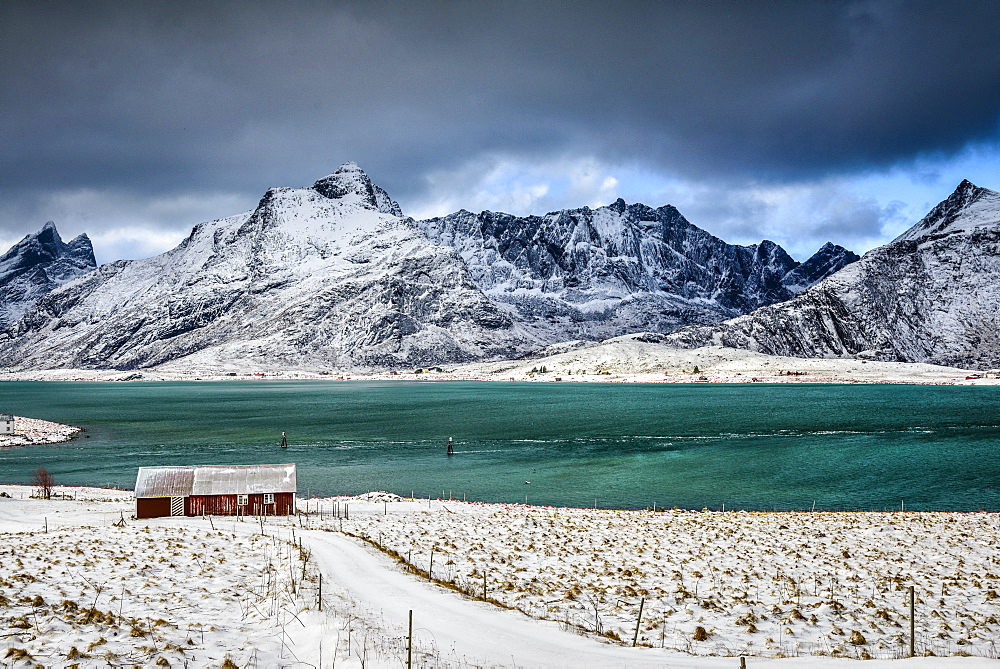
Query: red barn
x=215, y=490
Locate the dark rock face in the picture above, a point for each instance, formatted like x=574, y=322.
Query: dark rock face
x=38, y=264
x=597, y=273
x=932, y=295
x=829, y=259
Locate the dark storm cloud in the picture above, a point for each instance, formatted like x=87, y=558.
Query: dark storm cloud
x=160, y=97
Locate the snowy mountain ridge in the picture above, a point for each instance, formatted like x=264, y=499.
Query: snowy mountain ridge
x=599, y=273
x=333, y=276
x=931, y=295
x=314, y=277
x=966, y=209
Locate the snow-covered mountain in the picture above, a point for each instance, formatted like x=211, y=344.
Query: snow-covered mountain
x=599, y=273
x=38, y=264
x=333, y=276
x=323, y=277
x=931, y=295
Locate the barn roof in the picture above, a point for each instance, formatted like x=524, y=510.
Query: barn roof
x=214, y=480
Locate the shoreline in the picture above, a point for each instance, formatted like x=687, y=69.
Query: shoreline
x=628, y=359
x=38, y=432
x=762, y=378
x=62, y=491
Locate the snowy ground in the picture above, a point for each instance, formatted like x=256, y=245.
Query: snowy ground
x=627, y=359
x=79, y=586
x=35, y=431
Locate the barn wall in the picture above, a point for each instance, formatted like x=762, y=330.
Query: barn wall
x=284, y=503
x=152, y=507
x=225, y=505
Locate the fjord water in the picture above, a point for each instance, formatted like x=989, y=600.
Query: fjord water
x=746, y=446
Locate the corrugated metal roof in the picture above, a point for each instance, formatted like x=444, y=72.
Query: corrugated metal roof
x=214, y=480
x=243, y=479
x=164, y=481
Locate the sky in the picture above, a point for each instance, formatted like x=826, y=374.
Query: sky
x=800, y=122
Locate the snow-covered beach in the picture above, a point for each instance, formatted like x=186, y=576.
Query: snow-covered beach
x=82, y=585
x=34, y=431
x=629, y=359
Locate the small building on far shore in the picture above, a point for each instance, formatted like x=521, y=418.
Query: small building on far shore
x=215, y=490
x=6, y=423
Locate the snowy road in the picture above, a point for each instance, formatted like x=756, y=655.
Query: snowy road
x=471, y=633
x=464, y=630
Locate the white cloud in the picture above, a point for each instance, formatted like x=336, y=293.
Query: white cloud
x=801, y=217
x=516, y=186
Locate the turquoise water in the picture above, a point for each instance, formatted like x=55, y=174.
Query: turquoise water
x=707, y=445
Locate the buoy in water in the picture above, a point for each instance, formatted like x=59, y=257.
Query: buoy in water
x=284, y=440
x=451, y=446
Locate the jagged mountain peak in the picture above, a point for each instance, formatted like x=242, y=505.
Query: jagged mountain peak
x=348, y=180
x=38, y=264
x=45, y=246
x=594, y=273
x=81, y=243
x=967, y=208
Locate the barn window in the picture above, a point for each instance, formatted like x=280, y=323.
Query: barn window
x=241, y=500
x=269, y=498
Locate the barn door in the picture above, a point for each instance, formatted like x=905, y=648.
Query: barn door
x=176, y=506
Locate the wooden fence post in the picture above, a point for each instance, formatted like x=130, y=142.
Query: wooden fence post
x=635, y=637
x=409, y=644
x=912, y=623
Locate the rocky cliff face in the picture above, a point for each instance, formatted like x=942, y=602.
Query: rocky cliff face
x=37, y=265
x=931, y=295
x=321, y=277
x=598, y=273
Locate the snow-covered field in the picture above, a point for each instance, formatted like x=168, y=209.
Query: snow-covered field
x=81, y=586
x=717, y=583
x=35, y=431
